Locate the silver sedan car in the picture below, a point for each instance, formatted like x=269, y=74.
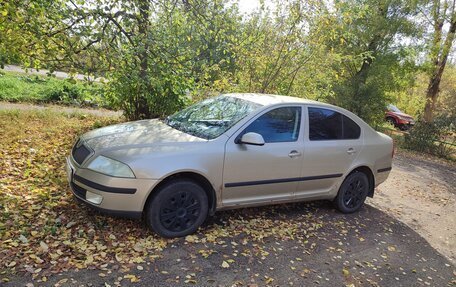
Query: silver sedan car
x=230, y=151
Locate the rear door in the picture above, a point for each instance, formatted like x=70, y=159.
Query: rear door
x=332, y=142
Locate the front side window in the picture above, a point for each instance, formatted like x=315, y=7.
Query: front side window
x=278, y=125
x=326, y=124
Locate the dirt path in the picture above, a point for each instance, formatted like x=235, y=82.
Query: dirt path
x=56, y=108
x=42, y=72
x=421, y=192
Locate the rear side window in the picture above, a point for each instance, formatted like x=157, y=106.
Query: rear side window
x=326, y=124
x=278, y=125
x=351, y=129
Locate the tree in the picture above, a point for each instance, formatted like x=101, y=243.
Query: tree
x=443, y=14
x=278, y=50
x=362, y=35
x=24, y=23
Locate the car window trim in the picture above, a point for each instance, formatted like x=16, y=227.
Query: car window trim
x=238, y=134
x=343, y=130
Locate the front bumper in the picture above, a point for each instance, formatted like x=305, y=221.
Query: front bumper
x=119, y=196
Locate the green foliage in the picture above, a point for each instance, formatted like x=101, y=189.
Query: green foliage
x=156, y=96
x=159, y=56
x=412, y=98
x=361, y=35
x=431, y=137
x=35, y=89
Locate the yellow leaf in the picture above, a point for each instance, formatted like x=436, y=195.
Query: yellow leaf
x=89, y=260
x=191, y=238
x=225, y=264
x=132, y=278
x=346, y=272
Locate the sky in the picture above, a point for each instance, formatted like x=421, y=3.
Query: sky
x=247, y=6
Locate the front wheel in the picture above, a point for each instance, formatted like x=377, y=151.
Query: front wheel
x=391, y=121
x=352, y=193
x=177, y=209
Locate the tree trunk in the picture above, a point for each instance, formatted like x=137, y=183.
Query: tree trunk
x=439, y=59
x=142, y=108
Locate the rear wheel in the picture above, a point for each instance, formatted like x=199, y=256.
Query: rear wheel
x=352, y=193
x=404, y=127
x=177, y=209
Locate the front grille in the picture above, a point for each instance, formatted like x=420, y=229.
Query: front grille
x=79, y=191
x=80, y=153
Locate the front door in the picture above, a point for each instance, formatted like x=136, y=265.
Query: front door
x=258, y=174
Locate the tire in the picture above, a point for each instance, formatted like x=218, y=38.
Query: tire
x=352, y=193
x=391, y=121
x=177, y=209
x=404, y=127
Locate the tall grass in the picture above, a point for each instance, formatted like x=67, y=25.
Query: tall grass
x=37, y=89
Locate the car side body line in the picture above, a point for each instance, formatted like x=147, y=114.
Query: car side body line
x=104, y=188
x=384, y=169
x=269, y=181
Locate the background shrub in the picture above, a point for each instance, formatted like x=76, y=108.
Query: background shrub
x=436, y=138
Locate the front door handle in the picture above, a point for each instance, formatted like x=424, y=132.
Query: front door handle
x=294, y=153
x=351, y=151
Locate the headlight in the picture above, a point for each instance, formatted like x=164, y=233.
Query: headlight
x=110, y=167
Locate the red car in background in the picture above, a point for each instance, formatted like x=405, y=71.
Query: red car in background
x=397, y=118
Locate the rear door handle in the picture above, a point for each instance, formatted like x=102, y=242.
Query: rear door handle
x=351, y=151
x=294, y=153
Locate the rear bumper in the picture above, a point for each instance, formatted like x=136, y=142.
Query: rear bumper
x=381, y=175
x=123, y=197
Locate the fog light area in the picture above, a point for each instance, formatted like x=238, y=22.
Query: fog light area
x=93, y=197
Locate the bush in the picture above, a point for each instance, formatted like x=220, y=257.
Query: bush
x=436, y=138
x=157, y=96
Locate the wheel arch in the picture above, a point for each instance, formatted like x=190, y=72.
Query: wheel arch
x=370, y=176
x=196, y=177
x=394, y=119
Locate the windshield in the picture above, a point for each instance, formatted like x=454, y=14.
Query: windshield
x=212, y=117
x=393, y=108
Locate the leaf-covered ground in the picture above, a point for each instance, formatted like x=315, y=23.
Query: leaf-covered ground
x=48, y=238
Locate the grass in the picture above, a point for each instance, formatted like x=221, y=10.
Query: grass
x=44, y=231
x=37, y=89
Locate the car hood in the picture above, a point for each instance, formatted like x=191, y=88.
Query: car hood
x=136, y=134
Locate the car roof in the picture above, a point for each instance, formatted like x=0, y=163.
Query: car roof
x=269, y=99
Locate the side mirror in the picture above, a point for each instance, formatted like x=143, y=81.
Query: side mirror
x=252, y=138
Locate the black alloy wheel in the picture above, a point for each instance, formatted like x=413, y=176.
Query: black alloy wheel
x=178, y=209
x=352, y=192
